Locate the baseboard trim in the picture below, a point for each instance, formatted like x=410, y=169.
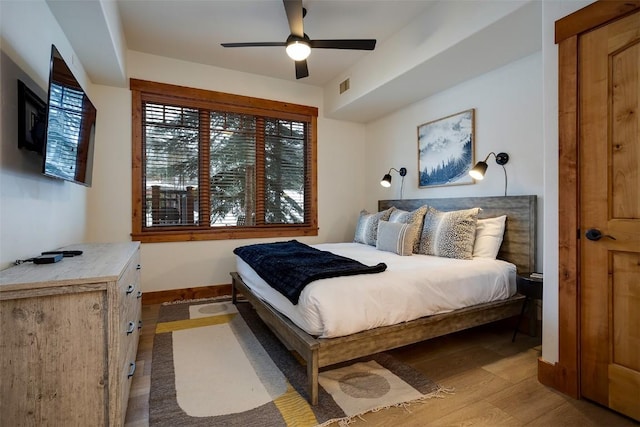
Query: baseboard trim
x=171, y=295
x=554, y=375
x=547, y=373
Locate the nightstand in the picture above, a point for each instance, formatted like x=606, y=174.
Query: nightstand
x=531, y=288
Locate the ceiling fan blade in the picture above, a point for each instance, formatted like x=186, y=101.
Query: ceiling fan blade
x=357, y=44
x=253, y=44
x=302, y=70
x=294, y=16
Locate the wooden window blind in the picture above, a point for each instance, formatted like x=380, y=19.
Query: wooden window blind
x=209, y=165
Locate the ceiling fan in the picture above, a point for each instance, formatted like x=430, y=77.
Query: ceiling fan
x=298, y=45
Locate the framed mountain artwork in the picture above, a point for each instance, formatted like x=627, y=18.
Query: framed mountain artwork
x=446, y=150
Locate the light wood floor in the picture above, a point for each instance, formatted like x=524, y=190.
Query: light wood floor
x=494, y=381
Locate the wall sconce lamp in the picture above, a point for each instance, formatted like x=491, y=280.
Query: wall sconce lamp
x=480, y=168
x=386, y=179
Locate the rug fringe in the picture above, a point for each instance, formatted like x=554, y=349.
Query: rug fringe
x=345, y=421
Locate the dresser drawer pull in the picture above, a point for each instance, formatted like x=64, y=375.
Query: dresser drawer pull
x=139, y=324
x=139, y=295
x=138, y=267
x=130, y=289
x=132, y=369
x=132, y=327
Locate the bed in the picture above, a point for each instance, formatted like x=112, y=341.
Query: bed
x=518, y=249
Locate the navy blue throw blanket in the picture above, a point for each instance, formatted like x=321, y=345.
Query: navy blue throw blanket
x=290, y=266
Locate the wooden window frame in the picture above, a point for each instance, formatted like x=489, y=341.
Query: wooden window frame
x=143, y=91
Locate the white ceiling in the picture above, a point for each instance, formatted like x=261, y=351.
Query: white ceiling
x=193, y=30
x=101, y=31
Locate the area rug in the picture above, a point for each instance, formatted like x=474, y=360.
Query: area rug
x=217, y=364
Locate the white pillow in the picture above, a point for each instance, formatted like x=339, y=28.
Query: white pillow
x=396, y=237
x=489, y=233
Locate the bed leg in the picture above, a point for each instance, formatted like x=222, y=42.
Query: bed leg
x=312, y=377
x=234, y=292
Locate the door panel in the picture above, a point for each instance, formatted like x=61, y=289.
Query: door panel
x=626, y=301
x=625, y=155
x=609, y=61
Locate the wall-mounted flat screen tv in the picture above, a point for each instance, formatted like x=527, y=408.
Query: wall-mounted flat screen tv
x=70, y=127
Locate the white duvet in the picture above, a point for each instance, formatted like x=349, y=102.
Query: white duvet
x=411, y=287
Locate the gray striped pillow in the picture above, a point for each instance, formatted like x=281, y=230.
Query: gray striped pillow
x=396, y=237
x=414, y=217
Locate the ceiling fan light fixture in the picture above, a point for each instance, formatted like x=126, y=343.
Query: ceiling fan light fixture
x=298, y=45
x=298, y=50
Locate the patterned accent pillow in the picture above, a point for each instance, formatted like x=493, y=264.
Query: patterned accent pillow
x=396, y=237
x=367, y=228
x=449, y=234
x=415, y=218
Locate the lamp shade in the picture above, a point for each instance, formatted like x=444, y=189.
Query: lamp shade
x=386, y=180
x=298, y=50
x=479, y=170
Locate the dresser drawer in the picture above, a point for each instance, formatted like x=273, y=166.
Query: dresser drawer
x=130, y=320
x=129, y=311
x=130, y=297
x=127, y=368
x=129, y=283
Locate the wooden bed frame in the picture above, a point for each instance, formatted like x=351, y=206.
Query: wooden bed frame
x=518, y=247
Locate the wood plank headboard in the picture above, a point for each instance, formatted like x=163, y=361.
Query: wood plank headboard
x=519, y=243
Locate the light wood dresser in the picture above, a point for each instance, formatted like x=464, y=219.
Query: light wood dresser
x=68, y=337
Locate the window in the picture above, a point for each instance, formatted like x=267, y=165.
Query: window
x=209, y=165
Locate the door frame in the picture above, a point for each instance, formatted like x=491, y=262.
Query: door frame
x=564, y=375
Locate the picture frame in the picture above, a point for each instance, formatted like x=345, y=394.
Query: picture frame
x=32, y=116
x=446, y=150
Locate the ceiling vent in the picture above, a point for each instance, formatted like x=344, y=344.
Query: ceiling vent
x=344, y=86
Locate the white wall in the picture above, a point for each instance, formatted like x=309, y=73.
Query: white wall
x=442, y=27
x=109, y=202
x=36, y=213
x=191, y=264
x=508, y=104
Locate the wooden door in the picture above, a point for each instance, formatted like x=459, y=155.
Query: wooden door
x=609, y=159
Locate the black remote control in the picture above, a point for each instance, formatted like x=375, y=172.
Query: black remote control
x=64, y=253
x=47, y=259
